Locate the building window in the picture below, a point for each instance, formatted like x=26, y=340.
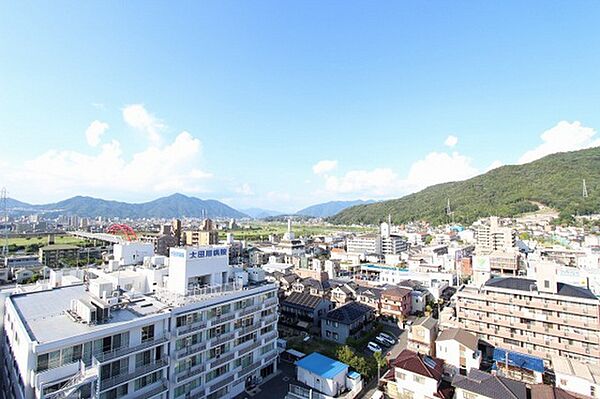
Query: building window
x=148, y=333
x=418, y=379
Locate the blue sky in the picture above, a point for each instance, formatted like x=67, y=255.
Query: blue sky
x=240, y=101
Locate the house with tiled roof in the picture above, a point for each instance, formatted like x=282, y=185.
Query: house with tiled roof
x=396, y=302
x=346, y=321
x=302, y=313
x=459, y=350
x=370, y=296
x=422, y=334
x=481, y=385
x=417, y=376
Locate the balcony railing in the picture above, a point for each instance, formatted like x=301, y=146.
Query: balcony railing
x=222, y=319
x=162, y=388
x=250, y=348
x=190, y=350
x=269, y=336
x=249, y=310
x=249, y=329
x=104, y=357
x=221, y=339
x=138, y=372
x=250, y=368
x=192, y=371
x=199, y=325
x=221, y=384
x=270, y=302
x=220, y=360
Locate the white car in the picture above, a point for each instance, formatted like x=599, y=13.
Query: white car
x=387, y=336
x=373, y=347
x=384, y=340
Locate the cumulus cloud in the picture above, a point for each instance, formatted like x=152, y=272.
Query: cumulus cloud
x=436, y=167
x=108, y=172
x=563, y=137
x=324, y=166
x=376, y=182
x=440, y=167
x=137, y=117
x=95, y=131
x=244, y=189
x=451, y=141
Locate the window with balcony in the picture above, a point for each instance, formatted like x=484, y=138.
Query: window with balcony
x=148, y=333
x=146, y=380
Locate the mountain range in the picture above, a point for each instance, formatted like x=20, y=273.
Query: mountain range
x=176, y=205
x=330, y=208
x=554, y=181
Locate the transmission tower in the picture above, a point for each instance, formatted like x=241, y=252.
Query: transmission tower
x=584, y=193
x=4, y=205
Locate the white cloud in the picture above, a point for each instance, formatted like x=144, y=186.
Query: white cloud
x=136, y=116
x=376, y=182
x=439, y=167
x=436, y=167
x=451, y=141
x=244, y=189
x=563, y=137
x=95, y=131
x=324, y=166
x=110, y=174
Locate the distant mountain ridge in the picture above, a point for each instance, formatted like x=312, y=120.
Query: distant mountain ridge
x=259, y=213
x=176, y=205
x=554, y=181
x=330, y=208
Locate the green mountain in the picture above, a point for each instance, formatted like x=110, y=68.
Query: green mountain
x=176, y=205
x=554, y=181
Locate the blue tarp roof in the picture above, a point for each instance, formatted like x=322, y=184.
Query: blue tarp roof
x=353, y=374
x=321, y=365
x=519, y=360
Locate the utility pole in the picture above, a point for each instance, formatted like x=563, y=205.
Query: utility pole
x=4, y=204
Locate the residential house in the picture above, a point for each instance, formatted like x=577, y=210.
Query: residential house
x=322, y=377
x=458, y=348
x=422, y=334
x=346, y=321
x=301, y=313
x=577, y=377
x=343, y=294
x=478, y=384
x=543, y=391
x=286, y=282
x=396, y=302
x=416, y=376
x=369, y=296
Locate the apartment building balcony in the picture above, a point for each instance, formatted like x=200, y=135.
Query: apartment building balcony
x=249, y=310
x=160, y=389
x=250, y=368
x=218, y=340
x=221, y=383
x=269, y=336
x=190, y=328
x=190, y=350
x=196, y=393
x=131, y=375
x=248, y=329
x=269, y=319
x=222, y=319
x=221, y=360
x=191, y=372
x=271, y=356
x=248, y=348
x=104, y=357
x=270, y=302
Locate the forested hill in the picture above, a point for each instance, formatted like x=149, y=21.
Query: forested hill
x=555, y=181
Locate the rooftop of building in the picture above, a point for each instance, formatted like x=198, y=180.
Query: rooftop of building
x=460, y=335
x=395, y=292
x=302, y=300
x=589, y=372
x=427, y=322
x=322, y=365
x=525, y=284
x=349, y=313
x=543, y=391
x=490, y=386
x=420, y=364
x=46, y=320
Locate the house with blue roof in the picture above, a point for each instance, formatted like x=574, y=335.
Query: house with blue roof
x=317, y=373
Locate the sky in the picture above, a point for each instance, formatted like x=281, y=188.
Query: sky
x=281, y=105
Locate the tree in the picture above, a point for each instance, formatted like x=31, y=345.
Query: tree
x=380, y=361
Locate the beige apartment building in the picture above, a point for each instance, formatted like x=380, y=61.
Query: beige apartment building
x=197, y=238
x=541, y=317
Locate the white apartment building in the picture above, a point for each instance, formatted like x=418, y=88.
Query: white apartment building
x=364, y=244
x=576, y=377
x=192, y=329
x=491, y=237
x=541, y=317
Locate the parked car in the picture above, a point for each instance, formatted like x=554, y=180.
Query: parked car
x=384, y=340
x=388, y=336
x=373, y=347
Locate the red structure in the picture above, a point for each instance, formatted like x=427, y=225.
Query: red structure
x=123, y=230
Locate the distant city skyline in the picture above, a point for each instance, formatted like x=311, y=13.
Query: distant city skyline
x=284, y=107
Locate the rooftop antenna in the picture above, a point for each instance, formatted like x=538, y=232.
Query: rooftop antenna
x=584, y=193
x=4, y=204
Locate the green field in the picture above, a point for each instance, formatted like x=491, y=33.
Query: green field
x=33, y=243
x=261, y=231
